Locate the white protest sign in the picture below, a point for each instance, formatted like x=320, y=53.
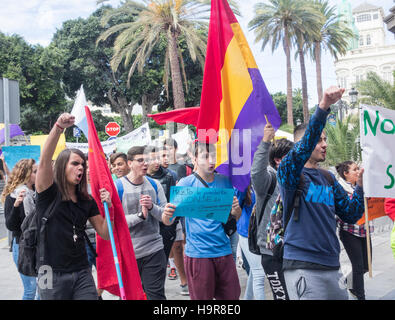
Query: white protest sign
x=108, y=146
x=378, y=151
x=183, y=139
x=139, y=137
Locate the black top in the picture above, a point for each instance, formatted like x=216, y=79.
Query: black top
x=62, y=253
x=14, y=217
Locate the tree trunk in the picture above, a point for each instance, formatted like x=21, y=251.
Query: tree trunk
x=317, y=52
x=305, y=97
x=176, y=78
x=121, y=106
x=290, y=118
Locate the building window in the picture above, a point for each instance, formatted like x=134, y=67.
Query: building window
x=368, y=40
x=364, y=17
x=343, y=82
x=361, y=40
x=375, y=16
x=358, y=78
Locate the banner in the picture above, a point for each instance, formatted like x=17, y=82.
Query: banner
x=40, y=141
x=378, y=151
x=15, y=153
x=108, y=146
x=139, y=137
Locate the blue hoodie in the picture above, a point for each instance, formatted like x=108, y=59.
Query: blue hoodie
x=313, y=237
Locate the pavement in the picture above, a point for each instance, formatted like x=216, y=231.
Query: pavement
x=380, y=287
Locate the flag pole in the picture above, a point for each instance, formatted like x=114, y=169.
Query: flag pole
x=114, y=251
x=368, y=236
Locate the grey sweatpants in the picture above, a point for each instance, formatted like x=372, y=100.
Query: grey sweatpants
x=306, y=284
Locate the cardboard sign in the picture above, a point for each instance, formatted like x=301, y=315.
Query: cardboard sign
x=15, y=153
x=375, y=210
x=202, y=203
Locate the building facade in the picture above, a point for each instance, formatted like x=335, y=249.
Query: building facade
x=371, y=52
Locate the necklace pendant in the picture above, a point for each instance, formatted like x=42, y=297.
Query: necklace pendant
x=75, y=237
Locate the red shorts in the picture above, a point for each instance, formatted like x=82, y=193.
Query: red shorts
x=210, y=278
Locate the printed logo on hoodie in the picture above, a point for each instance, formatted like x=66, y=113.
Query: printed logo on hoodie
x=320, y=194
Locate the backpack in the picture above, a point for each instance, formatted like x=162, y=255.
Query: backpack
x=31, y=241
x=254, y=224
x=276, y=227
x=119, y=185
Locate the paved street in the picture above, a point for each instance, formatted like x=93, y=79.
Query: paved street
x=380, y=286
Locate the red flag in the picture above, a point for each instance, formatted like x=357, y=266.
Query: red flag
x=184, y=115
x=100, y=177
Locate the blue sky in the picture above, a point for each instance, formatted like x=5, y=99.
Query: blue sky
x=37, y=20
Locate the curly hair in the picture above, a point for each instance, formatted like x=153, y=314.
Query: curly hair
x=20, y=174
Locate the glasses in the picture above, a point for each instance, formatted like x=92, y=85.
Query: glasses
x=140, y=160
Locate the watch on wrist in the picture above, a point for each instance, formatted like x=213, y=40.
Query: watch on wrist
x=141, y=215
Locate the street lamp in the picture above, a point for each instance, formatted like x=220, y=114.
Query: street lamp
x=353, y=96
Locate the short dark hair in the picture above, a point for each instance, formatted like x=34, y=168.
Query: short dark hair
x=134, y=151
x=343, y=167
x=201, y=146
x=115, y=156
x=299, y=131
x=279, y=150
x=171, y=142
x=150, y=149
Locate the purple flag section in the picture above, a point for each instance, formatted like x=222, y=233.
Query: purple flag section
x=15, y=130
x=248, y=132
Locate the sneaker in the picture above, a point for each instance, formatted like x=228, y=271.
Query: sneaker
x=184, y=290
x=172, y=274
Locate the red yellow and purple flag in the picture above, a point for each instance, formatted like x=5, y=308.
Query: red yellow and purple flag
x=234, y=98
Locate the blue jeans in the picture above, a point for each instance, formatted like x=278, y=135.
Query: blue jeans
x=234, y=241
x=29, y=283
x=256, y=277
x=91, y=255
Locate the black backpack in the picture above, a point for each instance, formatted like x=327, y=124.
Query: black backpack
x=31, y=241
x=254, y=224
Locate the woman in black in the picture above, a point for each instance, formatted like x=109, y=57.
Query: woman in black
x=65, y=272
x=18, y=199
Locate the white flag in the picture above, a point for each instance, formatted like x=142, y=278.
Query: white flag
x=79, y=111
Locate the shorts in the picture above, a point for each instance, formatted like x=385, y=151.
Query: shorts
x=179, y=233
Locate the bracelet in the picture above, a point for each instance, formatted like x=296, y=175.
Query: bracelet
x=59, y=126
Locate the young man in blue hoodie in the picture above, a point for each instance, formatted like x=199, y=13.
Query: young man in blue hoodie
x=311, y=247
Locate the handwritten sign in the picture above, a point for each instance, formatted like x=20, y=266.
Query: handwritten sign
x=202, y=203
x=378, y=151
x=15, y=153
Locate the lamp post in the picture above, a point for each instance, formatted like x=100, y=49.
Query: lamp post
x=353, y=97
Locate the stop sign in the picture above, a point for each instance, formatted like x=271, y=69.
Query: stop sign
x=113, y=129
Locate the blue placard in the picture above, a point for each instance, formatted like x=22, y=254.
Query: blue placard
x=202, y=203
x=15, y=153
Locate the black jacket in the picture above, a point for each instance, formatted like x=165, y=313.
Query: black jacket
x=166, y=179
x=14, y=217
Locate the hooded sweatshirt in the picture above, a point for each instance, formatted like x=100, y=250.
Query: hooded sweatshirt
x=312, y=239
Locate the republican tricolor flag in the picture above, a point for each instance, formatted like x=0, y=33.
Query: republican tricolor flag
x=234, y=98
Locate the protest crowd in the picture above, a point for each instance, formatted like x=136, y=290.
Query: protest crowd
x=150, y=214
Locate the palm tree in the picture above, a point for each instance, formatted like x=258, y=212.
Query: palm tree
x=343, y=140
x=376, y=91
x=277, y=22
x=334, y=35
x=160, y=21
x=304, y=33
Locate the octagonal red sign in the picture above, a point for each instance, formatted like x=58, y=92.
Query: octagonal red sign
x=113, y=129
